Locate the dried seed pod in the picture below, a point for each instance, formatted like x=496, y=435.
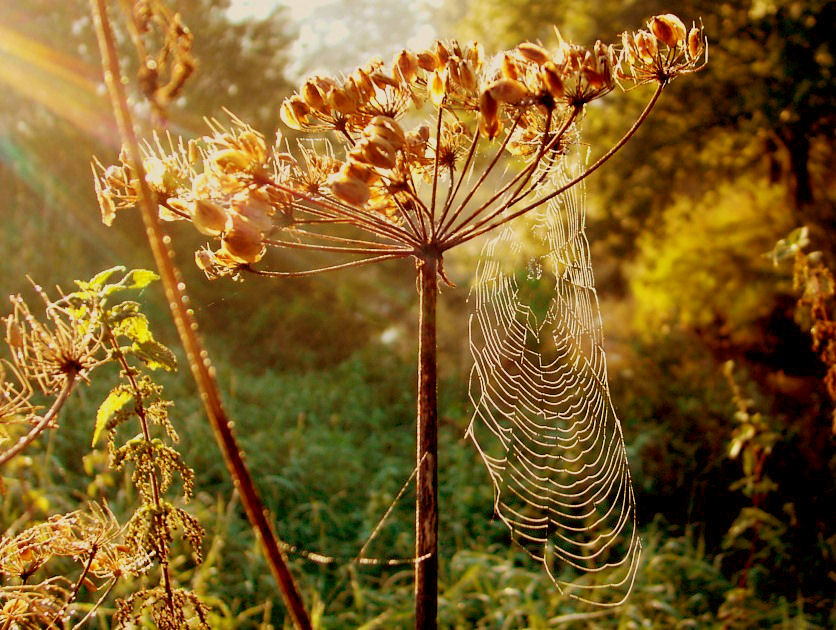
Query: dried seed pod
x=437, y=87
x=382, y=81
x=364, y=83
x=552, y=81
x=14, y=337
x=453, y=71
x=405, y=66
x=294, y=112
x=428, y=61
x=350, y=190
x=208, y=217
x=646, y=46
x=509, y=67
x=242, y=241
x=386, y=128
x=489, y=122
x=533, y=53
x=230, y=160
x=204, y=259
x=467, y=76
x=256, y=210
x=474, y=54
x=313, y=97
x=377, y=152
x=341, y=102
x=441, y=53
x=508, y=91
x=668, y=28
x=359, y=171
x=695, y=43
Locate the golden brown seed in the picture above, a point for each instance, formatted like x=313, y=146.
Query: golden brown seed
x=257, y=211
x=378, y=152
x=357, y=170
x=242, y=241
x=351, y=190
x=475, y=55
x=534, y=53
x=668, y=28
x=313, y=97
x=437, y=90
x=341, y=102
x=208, y=217
x=441, y=53
x=646, y=46
x=14, y=338
x=695, y=43
x=364, y=83
x=489, y=122
x=552, y=80
x=508, y=91
x=467, y=76
x=428, y=61
x=386, y=128
x=405, y=67
x=509, y=68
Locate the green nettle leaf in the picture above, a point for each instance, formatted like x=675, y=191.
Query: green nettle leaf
x=154, y=355
x=134, y=327
x=115, y=400
x=141, y=278
x=100, y=278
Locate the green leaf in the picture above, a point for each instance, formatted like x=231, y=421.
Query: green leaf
x=115, y=400
x=134, y=327
x=154, y=355
x=100, y=278
x=141, y=278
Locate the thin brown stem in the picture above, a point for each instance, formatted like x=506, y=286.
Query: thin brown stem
x=334, y=248
x=479, y=228
x=435, y=166
x=97, y=605
x=47, y=419
x=484, y=175
x=76, y=587
x=470, y=153
x=311, y=272
x=186, y=328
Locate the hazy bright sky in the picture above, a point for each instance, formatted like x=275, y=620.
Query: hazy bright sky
x=327, y=40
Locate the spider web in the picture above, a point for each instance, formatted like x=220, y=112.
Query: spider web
x=544, y=423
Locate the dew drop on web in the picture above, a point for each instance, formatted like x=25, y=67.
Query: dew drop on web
x=535, y=269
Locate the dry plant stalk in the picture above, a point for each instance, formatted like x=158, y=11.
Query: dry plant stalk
x=413, y=159
x=80, y=332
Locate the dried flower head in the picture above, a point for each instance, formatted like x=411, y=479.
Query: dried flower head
x=663, y=52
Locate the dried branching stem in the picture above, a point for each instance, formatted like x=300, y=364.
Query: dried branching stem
x=186, y=328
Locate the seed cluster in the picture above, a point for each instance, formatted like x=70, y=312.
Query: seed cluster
x=395, y=148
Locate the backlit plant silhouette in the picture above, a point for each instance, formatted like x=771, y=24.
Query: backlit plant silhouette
x=410, y=160
x=49, y=355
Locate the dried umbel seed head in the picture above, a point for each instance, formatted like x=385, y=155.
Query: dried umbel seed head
x=534, y=53
x=242, y=241
x=668, y=29
x=208, y=217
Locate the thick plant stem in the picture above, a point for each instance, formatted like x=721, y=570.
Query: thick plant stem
x=426, y=508
x=186, y=327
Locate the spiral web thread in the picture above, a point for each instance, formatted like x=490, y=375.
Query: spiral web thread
x=544, y=423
